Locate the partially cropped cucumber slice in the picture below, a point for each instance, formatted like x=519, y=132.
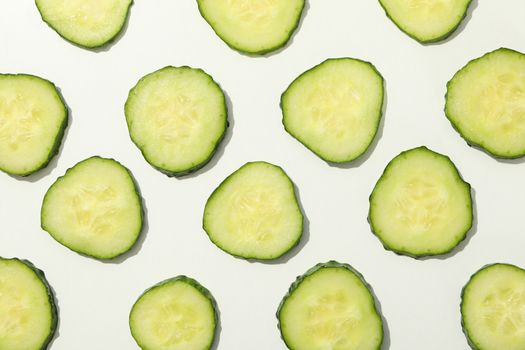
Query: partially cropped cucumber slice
x=177, y=116
x=426, y=20
x=33, y=118
x=254, y=213
x=253, y=26
x=485, y=102
x=87, y=23
x=493, y=308
x=176, y=314
x=28, y=315
x=421, y=206
x=335, y=108
x=94, y=209
x=330, y=307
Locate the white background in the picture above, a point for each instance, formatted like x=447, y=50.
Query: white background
x=419, y=299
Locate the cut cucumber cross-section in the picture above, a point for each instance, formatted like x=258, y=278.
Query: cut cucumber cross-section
x=485, y=103
x=426, y=20
x=254, y=213
x=330, y=307
x=253, y=26
x=33, y=118
x=335, y=108
x=95, y=209
x=177, y=116
x=493, y=308
x=176, y=314
x=28, y=315
x=87, y=23
x=421, y=206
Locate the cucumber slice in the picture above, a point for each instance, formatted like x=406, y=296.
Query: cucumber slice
x=253, y=27
x=28, y=315
x=485, y=103
x=177, y=116
x=86, y=23
x=421, y=206
x=426, y=21
x=330, y=307
x=493, y=308
x=176, y=314
x=335, y=108
x=95, y=209
x=33, y=118
x=254, y=213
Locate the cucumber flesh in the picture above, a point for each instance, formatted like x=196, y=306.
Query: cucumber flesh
x=330, y=307
x=485, y=102
x=253, y=27
x=426, y=20
x=254, y=213
x=176, y=314
x=94, y=209
x=335, y=108
x=421, y=206
x=28, y=315
x=33, y=117
x=87, y=23
x=493, y=308
x=177, y=117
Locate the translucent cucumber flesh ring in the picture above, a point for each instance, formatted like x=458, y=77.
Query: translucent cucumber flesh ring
x=335, y=108
x=254, y=213
x=28, y=315
x=33, y=118
x=253, y=27
x=485, y=103
x=87, y=23
x=421, y=206
x=176, y=314
x=330, y=307
x=426, y=20
x=177, y=117
x=493, y=308
x=94, y=209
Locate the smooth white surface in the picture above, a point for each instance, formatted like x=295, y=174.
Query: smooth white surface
x=420, y=299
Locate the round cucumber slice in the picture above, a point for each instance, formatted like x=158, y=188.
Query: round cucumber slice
x=421, y=206
x=426, y=21
x=253, y=27
x=95, y=209
x=335, y=108
x=28, y=315
x=33, y=117
x=254, y=213
x=493, y=308
x=86, y=23
x=485, y=103
x=176, y=314
x=177, y=117
x=330, y=307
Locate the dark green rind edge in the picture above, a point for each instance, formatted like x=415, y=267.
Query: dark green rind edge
x=433, y=40
x=50, y=297
x=464, y=327
x=188, y=280
x=386, y=246
x=311, y=271
x=95, y=46
x=254, y=258
x=261, y=52
x=180, y=173
x=451, y=118
x=139, y=197
x=380, y=117
x=59, y=135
